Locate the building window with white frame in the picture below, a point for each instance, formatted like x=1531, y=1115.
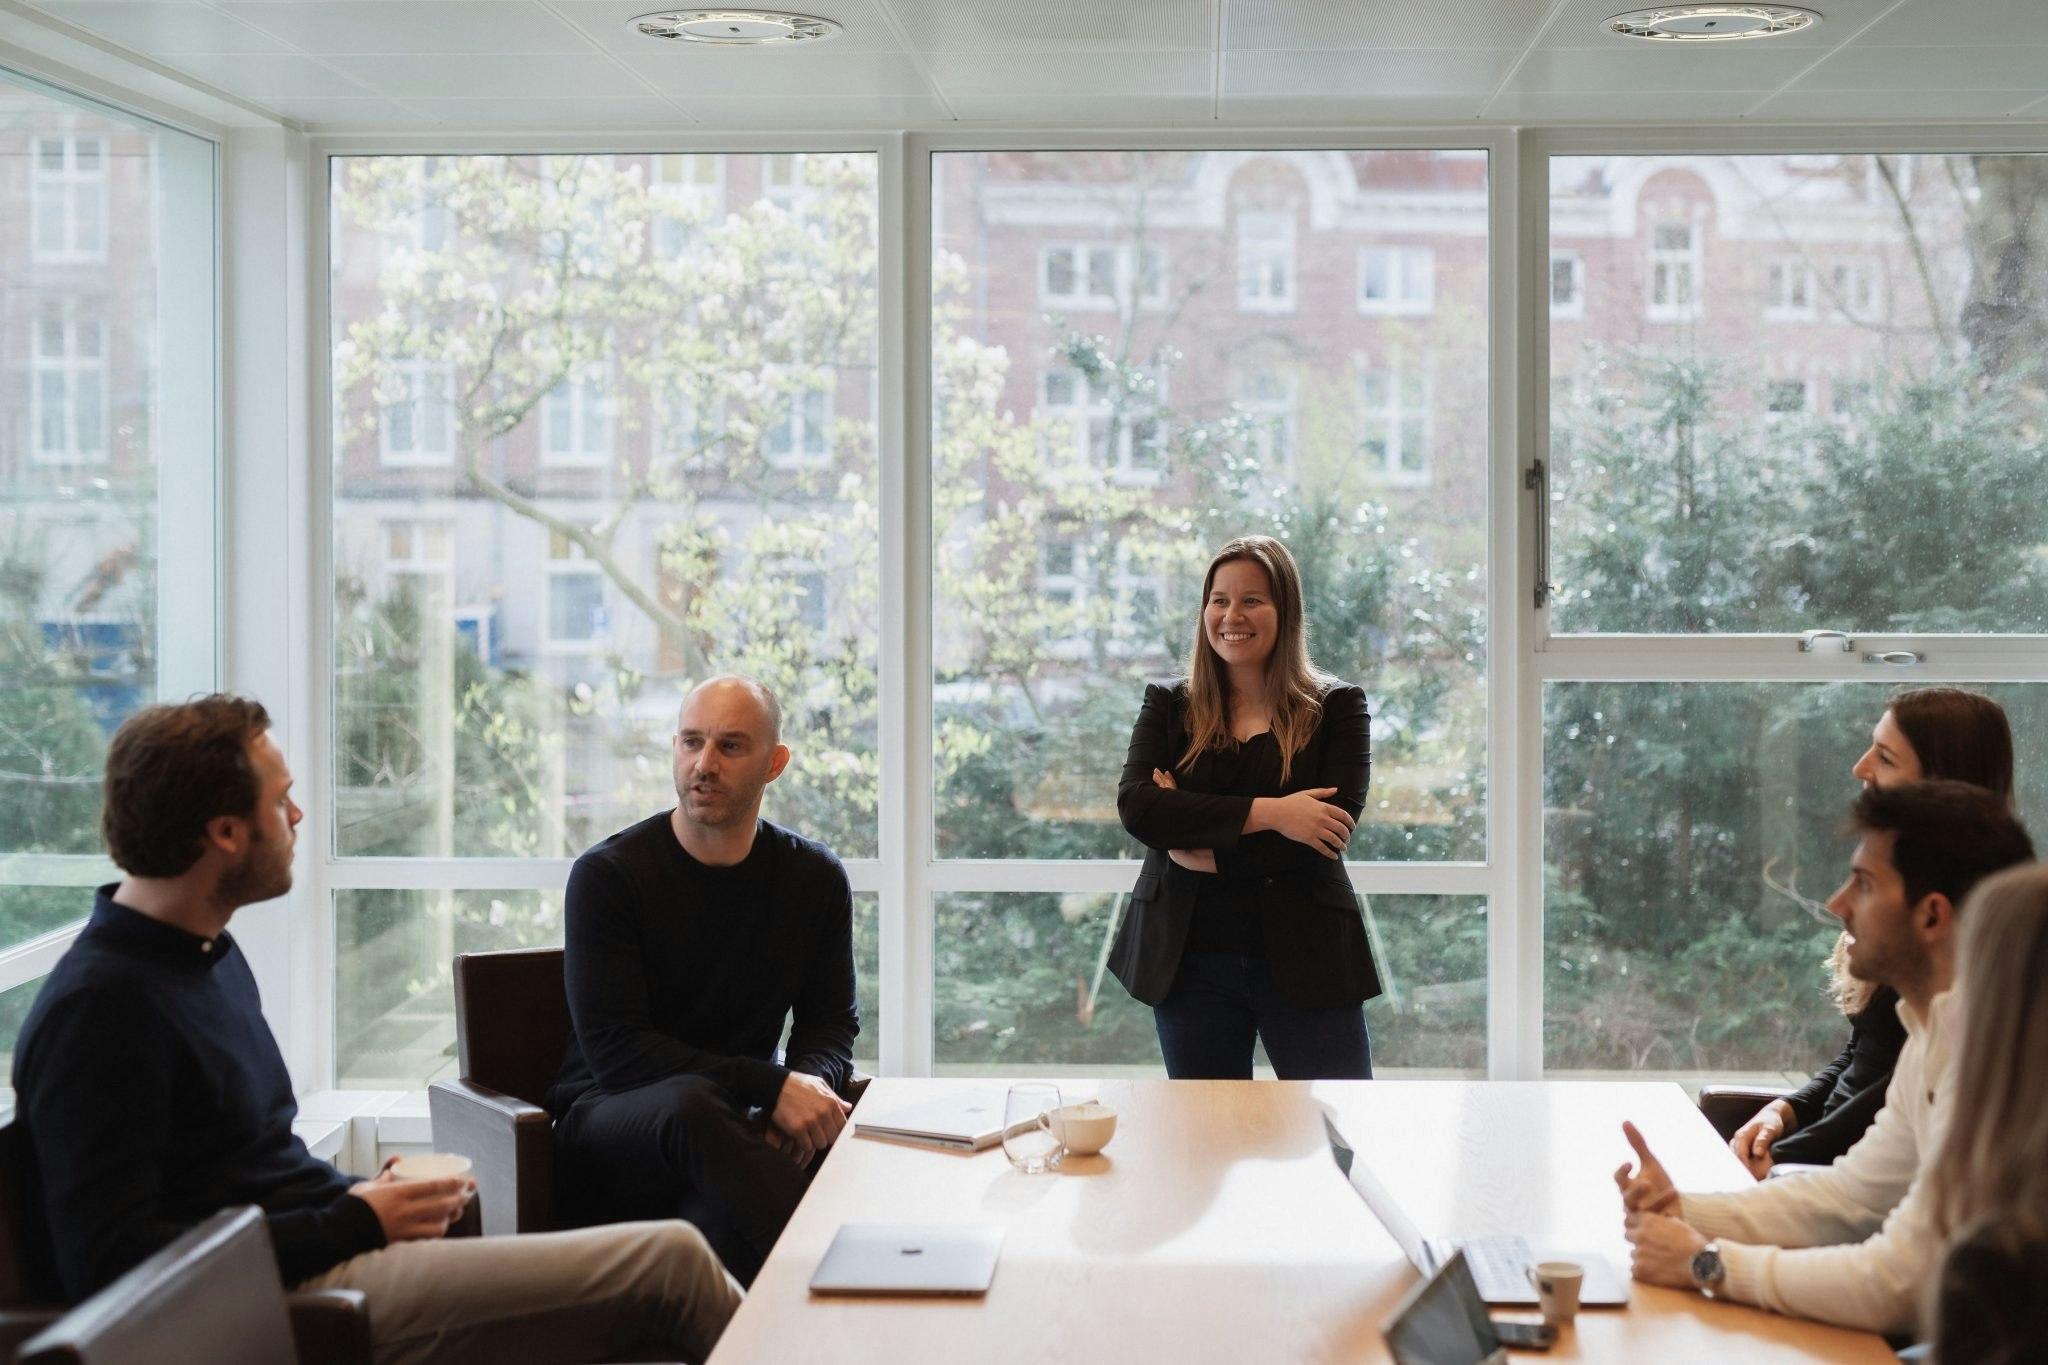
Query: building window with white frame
x=70, y=192
x=1567, y=284
x=68, y=398
x=426, y=227
x=801, y=433
x=1088, y=275
x=576, y=419
x=690, y=187
x=1091, y=428
x=1675, y=265
x=1855, y=285
x=1395, y=423
x=418, y=426
x=576, y=619
x=1267, y=399
x=1138, y=592
x=689, y=426
x=1265, y=261
x=1396, y=279
x=1789, y=290
x=419, y=550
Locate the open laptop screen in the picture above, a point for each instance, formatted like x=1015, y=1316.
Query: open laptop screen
x=1442, y=1321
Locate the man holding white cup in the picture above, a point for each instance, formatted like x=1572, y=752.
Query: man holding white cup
x=151, y=1094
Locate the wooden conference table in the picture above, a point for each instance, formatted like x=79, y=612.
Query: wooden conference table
x=1215, y=1227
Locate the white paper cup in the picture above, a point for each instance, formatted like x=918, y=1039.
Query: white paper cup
x=430, y=1166
x=1557, y=1285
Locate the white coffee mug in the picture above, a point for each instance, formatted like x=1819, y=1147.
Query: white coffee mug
x=1557, y=1286
x=430, y=1166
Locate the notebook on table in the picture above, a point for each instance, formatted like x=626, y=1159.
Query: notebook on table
x=966, y=1122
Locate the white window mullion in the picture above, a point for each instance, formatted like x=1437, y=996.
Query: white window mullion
x=906, y=660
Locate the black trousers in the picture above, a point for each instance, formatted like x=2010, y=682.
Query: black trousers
x=679, y=1148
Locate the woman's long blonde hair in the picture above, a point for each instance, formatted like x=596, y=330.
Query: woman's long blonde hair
x=1993, y=1163
x=1294, y=686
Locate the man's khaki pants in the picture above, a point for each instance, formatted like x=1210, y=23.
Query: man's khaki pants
x=633, y=1290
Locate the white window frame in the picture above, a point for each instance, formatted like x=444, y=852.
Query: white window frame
x=672, y=236
x=421, y=377
x=565, y=561
x=1857, y=290
x=1408, y=273
x=1791, y=290
x=806, y=413
x=1575, y=265
x=1390, y=419
x=186, y=427
x=71, y=368
x=1523, y=656
x=69, y=184
x=1267, y=241
x=1668, y=266
x=1079, y=418
x=1271, y=400
x=589, y=401
x=1129, y=283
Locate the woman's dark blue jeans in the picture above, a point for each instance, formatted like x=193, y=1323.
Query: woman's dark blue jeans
x=1221, y=1002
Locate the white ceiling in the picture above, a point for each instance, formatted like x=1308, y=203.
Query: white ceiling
x=575, y=65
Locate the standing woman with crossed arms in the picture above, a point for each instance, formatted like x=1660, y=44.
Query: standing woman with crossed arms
x=1244, y=781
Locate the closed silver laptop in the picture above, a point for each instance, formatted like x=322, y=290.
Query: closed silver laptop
x=950, y=1259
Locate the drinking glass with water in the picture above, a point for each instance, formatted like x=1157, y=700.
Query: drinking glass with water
x=1028, y=1139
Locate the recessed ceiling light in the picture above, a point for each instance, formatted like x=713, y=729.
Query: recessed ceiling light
x=733, y=27
x=1711, y=23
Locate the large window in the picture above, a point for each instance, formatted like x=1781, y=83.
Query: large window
x=662, y=464
x=106, y=482
x=1854, y=447
x=1077, y=503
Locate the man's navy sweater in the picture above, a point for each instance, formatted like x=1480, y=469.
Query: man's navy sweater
x=152, y=1094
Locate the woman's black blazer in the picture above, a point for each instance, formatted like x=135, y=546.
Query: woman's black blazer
x=1315, y=937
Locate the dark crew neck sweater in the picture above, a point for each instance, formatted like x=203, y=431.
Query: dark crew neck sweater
x=677, y=968
x=151, y=1094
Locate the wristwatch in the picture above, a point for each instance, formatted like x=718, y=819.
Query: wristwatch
x=1707, y=1270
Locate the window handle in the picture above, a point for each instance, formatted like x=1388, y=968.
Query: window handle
x=1809, y=638
x=1536, y=479
x=1903, y=658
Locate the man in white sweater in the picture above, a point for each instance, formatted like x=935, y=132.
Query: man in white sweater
x=1852, y=1244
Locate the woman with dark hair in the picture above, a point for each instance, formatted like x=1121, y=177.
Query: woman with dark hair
x=1931, y=732
x=1244, y=781
x=1988, y=1186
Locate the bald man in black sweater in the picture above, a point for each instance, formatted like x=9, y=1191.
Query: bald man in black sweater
x=693, y=937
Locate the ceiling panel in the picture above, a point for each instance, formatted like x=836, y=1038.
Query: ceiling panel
x=695, y=73
x=367, y=26
x=1083, y=110
x=2018, y=67
x=1338, y=111
x=863, y=28
x=1416, y=71
x=360, y=115
x=163, y=27
x=1308, y=25
x=1594, y=107
x=827, y=113
x=1895, y=106
x=567, y=74
x=536, y=115
x=1136, y=75
x=1056, y=25
x=1961, y=22
x=1650, y=71
x=1578, y=25
x=273, y=75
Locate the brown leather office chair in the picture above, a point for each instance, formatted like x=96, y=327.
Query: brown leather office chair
x=1728, y=1107
x=211, y=1296
x=512, y=1029
x=330, y=1326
